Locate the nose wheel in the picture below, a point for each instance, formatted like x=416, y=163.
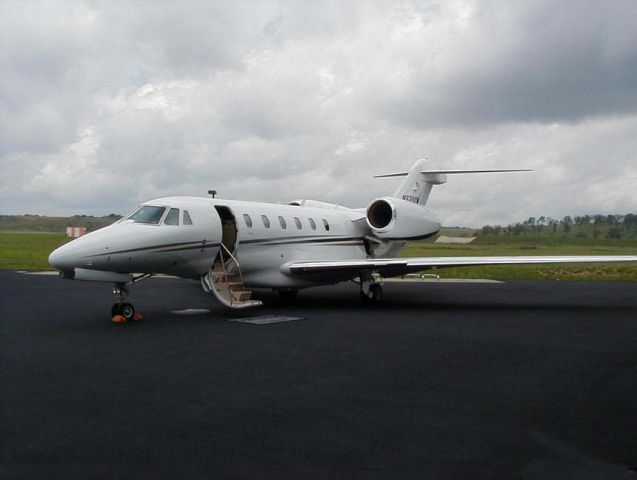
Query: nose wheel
x=125, y=310
x=122, y=312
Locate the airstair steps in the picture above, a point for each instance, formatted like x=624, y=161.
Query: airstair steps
x=226, y=284
x=242, y=296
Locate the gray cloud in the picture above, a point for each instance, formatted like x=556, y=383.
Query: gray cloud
x=106, y=104
x=532, y=61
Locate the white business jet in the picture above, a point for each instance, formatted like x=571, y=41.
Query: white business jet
x=233, y=246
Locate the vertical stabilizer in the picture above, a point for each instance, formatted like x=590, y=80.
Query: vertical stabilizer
x=417, y=184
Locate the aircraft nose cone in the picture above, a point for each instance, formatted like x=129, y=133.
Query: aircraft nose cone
x=54, y=259
x=61, y=259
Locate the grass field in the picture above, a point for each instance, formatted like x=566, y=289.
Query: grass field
x=29, y=251
x=527, y=246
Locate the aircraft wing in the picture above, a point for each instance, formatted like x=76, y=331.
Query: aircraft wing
x=400, y=266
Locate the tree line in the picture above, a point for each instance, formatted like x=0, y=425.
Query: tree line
x=596, y=226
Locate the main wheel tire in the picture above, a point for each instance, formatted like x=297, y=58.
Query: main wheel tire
x=128, y=311
x=377, y=292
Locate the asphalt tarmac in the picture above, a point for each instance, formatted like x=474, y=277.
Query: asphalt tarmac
x=442, y=380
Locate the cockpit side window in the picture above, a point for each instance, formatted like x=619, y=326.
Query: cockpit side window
x=187, y=220
x=173, y=217
x=148, y=214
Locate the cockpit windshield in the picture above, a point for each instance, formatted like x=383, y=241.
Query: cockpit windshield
x=148, y=214
x=173, y=217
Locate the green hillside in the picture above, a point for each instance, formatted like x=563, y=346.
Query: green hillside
x=38, y=223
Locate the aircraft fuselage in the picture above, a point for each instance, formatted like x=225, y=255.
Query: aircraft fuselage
x=262, y=237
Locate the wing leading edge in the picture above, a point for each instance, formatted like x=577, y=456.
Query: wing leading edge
x=400, y=266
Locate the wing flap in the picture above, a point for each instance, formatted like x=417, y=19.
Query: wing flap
x=400, y=266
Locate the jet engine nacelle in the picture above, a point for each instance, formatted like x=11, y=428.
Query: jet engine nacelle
x=392, y=218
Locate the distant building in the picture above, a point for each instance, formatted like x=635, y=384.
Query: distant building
x=75, y=231
x=461, y=240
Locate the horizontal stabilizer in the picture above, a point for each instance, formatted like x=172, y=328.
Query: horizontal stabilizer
x=451, y=172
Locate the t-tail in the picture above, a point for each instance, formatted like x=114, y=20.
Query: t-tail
x=419, y=181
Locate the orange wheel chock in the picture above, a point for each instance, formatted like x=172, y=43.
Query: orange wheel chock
x=118, y=319
x=137, y=317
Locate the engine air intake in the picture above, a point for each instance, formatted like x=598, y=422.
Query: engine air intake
x=380, y=213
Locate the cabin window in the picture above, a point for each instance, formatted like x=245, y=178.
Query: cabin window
x=326, y=225
x=282, y=222
x=266, y=221
x=298, y=223
x=173, y=217
x=186, y=220
x=148, y=214
x=247, y=220
x=312, y=223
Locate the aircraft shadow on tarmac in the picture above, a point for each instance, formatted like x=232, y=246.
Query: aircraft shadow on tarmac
x=420, y=298
x=414, y=297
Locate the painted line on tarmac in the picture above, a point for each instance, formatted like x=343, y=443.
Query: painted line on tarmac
x=443, y=280
x=52, y=273
x=406, y=279
x=24, y=272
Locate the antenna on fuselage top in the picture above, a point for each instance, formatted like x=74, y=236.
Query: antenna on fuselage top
x=212, y=192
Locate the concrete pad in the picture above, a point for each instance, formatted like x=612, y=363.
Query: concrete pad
x=265, y=319
x=191, y=311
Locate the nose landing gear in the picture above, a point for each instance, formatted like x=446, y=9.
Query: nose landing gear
x=121, y=311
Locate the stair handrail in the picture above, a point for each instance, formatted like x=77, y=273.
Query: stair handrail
x=223, y=267
x=235, y=261
x=225, y=273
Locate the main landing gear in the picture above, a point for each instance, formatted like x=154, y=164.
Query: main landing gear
x=371, y=288
x=122, y=312
x=288, y=294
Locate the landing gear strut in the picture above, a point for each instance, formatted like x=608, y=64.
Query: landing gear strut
x=371, y=288
x=121, y=311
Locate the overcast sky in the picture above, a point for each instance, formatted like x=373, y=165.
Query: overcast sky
x=106, y=104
